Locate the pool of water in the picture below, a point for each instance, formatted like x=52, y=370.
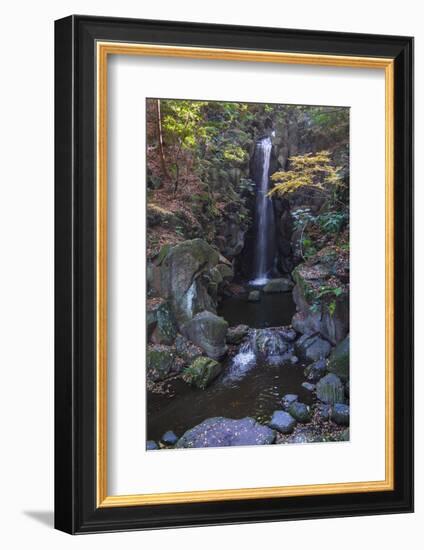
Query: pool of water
x=257, y=394
x=272, y=310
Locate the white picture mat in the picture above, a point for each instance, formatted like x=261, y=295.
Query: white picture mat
x=131, y=469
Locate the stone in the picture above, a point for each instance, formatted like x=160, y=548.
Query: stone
x=181, y=278
x=226, y=432
x=330, y=389
x=270, y=342
x=288, y=399
x=345, y=435
x=288, y=334
x=304, y=434
x=308, y=386
x=282, y=421
x=209, y=332
x=254, y=296
x=338, y=362
x=165, y=329
x=201, y=372
x=315, y=371
x=312, y=347
x=300, y=412
x=235, y=335
x=278, y=285
x=151, y=445
x=169, y=438
x=227, y=272
x=340, y=414
x=160, y=362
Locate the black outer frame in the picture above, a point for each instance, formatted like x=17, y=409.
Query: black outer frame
x=75, y=275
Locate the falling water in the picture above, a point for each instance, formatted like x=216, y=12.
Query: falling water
x=264, y=242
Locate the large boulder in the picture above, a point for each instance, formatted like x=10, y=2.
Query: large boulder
x=278, y=285
x=183, y=279
x=330, y=389
x=312, y=347
x=201, y=372
x=338, y=362
x=283, y=422
x=226, y=432
x=208, y=331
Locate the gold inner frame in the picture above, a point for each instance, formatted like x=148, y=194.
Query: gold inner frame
x=103, y=50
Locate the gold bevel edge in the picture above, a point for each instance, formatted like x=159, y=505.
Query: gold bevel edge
x=103, y=50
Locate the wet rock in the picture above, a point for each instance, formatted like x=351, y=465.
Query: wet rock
x=288, y=399
x=165, y=329
x=235, y=335
x=254, y=296
x=160, y=362
x=308, y=386
x=270, y=342
x=300, y=412
x=338, y=362
x=288, y=334
x=282, y=421
x=315, y=371
x=340, y=414
x=330, y=389
x=208, y=331
x=151, y=445
x=226, y=432
x=312, y=347
x=169, y=438
x=278, y=285
x=201, y=372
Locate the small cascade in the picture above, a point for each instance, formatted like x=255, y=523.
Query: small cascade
x=264, y=248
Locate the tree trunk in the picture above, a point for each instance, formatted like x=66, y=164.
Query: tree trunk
x=160, y=138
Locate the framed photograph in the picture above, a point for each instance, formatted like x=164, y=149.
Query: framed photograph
x=233, y=274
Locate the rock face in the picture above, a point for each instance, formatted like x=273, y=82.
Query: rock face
x=201, y=372
x=312, y=347
x=226, y=432
x=300, y=412
x=330, y=389
x=340, y=414
x=278, y=285
x=183, y=280
x=283, y=422
x=338, y=362
x=160, y=362
x=326, y=314
x=236, y=334
x=208, y=331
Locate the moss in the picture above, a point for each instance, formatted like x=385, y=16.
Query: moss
x=201, y=372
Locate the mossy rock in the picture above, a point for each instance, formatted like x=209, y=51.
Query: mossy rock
x=338, y=362
x=330, y=389
x=201, y=372
x=165, y=330
x=160, y=362
x=300, y=412
x=278, y=285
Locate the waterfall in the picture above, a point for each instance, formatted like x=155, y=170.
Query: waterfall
x=264, y=251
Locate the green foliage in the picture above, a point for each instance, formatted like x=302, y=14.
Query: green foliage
x=332, y=221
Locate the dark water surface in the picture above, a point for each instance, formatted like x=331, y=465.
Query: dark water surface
x=273, y=310
x=258, y=394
